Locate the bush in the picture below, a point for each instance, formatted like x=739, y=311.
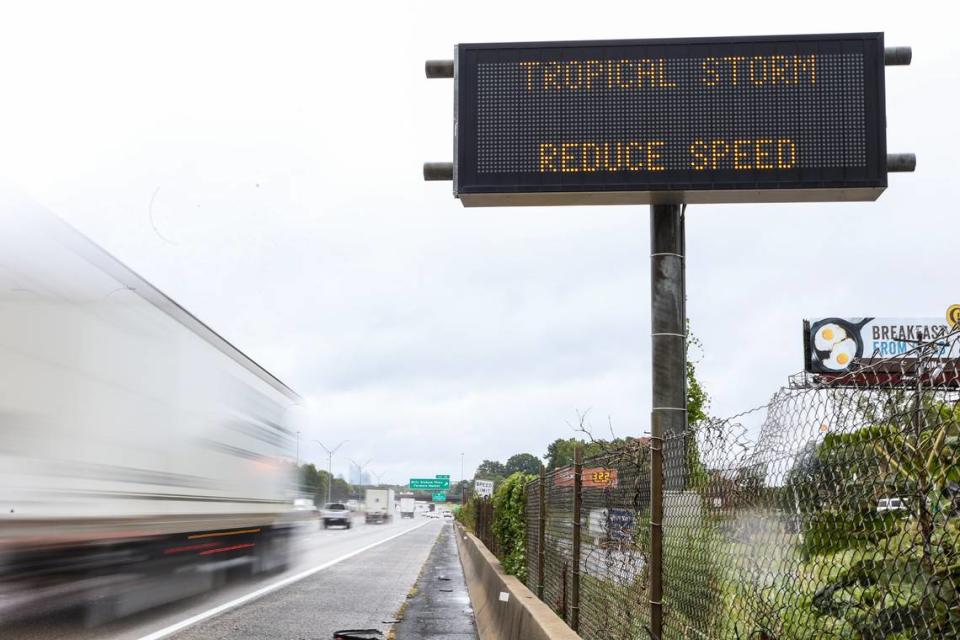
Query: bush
x=509, y=523
x=466, y=515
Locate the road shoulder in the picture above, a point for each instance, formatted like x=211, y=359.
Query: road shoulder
x=440, y=606
x=361, y=592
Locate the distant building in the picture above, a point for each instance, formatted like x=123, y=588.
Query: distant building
x=355, y=477
x=365, y=478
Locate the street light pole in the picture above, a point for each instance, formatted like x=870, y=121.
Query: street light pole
x=462, y=487
x=330, y=453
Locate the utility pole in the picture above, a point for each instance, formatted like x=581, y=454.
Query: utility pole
x=462, y=485
x=668, y=417
x=330, y=453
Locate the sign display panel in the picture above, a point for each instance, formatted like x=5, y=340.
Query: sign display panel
x=483, y=488
x=846, y=345
x=591, y=478
x=429, y=483
x=693, y=120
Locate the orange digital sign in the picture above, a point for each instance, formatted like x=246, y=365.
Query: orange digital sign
x=706, y=117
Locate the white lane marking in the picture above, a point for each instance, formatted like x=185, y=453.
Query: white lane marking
x=183, y=624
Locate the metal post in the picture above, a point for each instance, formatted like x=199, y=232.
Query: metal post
x=330, y=453
x=541, y=532
x=924, y=517
x=478, y=517
x=577, y=499
x=329, y=477
x=668, y=417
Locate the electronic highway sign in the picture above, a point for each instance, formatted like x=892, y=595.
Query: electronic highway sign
x=752, y=119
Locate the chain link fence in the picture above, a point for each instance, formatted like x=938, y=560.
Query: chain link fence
x=831, y=512
x=483, y=523
x=558, y=541
x=534, y=549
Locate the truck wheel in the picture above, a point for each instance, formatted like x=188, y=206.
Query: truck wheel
x=272, y=553
x=100, y=611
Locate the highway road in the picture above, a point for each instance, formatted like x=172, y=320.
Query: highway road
x=338, y=578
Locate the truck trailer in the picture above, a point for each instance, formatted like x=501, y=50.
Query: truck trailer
x=408, y=505
x=141, y=454
x=378, y=505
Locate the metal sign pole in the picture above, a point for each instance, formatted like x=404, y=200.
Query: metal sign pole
x=668, y=418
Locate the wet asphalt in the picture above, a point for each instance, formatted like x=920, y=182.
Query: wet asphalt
x=364, y=591
x=440, y=606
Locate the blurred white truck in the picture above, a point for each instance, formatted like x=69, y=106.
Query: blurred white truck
x=135, y=442
x=378, y=505
x=408, y=506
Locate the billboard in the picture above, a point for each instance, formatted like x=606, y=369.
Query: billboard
x=591, y=477
x=745, y=119
x=846, y=345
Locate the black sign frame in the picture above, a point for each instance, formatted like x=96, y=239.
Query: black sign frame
x=671, y=186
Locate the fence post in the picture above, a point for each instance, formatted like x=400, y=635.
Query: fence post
x=541, y=534
x=656, y=528
x=577, y=499
x=478, y=519
x=486, y=527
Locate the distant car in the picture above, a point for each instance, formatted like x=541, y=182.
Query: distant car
x=447, y=515
x=891, y=504
x=335, y=513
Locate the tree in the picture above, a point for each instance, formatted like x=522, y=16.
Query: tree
x=490, y=468
x=560, y=451
x=314, y=483
x=523, y=462
x=697, y=403
x=910, y=555
x=458, y=489
x=697, y=399
x=339, y=490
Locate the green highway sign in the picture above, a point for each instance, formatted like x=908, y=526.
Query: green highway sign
x=442, y=477
x=440, y=497
x=430, y=483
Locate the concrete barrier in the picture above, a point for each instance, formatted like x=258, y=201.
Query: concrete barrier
x=503, y=606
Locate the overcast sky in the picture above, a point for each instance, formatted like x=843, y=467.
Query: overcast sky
x=281, y=144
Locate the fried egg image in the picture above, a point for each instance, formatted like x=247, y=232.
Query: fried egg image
x=841, y=355
x=829, y=335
